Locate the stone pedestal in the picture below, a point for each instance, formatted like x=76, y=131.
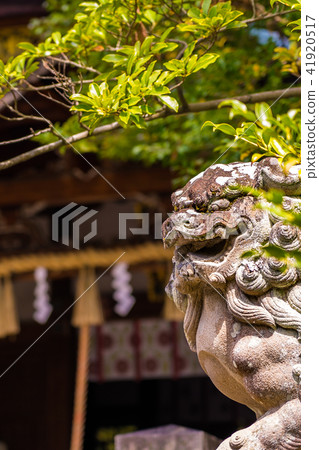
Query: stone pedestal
x=169, y=437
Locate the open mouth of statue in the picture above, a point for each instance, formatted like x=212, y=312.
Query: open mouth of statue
x=210, y=251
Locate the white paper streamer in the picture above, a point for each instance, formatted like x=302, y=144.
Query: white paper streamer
x=123, y=290
x=41, y=304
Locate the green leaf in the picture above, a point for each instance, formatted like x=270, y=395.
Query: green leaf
x=226, y=128
x=145, y=47
x=263, y=114
x=134, y=100
x=236, y=104
x=238, y=109
x=191, y=63
x=82, y=98
x=150, y=15
x=189, y=50
x=164, y=78
x=205, y=61
x=174, y=65
x=154, y=76
x=250, y=254
x=89, y=5
x=267, y=133
x=205, y=7
x=256, y=156
x=194, y=12
x=171, y=102
x=125, y=117
x=56, y=36
x=275, y=252
x=142, y=61
x=146, y=75
x=94, y=90
x=159, y=90
x=289, y=161
x=278, y=147
x=208, y=123
x=116, y=59
x=159, y=46
x=80, y=16
x=27, y=46
x=134, y=56
x=236, y=24
x=223, y=127
x=166, y=33
x=139, y=122
x=82, y=107
x=275, y=196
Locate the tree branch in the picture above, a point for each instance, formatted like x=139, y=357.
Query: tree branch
x=269, y=16
x=248, y=98
x=192, y=108
x=25, y=138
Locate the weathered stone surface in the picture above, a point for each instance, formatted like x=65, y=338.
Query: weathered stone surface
x=242, y=316
x=169, y=437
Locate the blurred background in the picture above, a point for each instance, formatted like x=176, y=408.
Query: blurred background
x=141, y=372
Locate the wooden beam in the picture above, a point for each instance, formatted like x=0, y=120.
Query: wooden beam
x=62, y=189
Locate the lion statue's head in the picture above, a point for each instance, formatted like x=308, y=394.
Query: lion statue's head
x=215, y=222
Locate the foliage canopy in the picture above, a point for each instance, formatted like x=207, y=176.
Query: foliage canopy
x=138, y=78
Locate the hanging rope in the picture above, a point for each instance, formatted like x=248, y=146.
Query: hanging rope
x=75, y=260
x=9, y=323
x=88, y=309
x=86, y=312
x=81, y=386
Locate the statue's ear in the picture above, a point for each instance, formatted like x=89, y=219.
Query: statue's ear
x=272, y=176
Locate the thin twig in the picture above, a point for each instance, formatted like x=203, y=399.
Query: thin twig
x=269, y=16
x=253, y=6
x=25, y=138
x=182, y=98
x=73, y=63
x=20, y=115
x=53, y=86
x=133, y=22
x=177, y=85
x=55, y=100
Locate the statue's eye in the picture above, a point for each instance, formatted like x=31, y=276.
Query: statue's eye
x=188, y=224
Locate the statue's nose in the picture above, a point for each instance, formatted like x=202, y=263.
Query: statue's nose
x=168, y=232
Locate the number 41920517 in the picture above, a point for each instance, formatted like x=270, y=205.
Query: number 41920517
x=310, y=44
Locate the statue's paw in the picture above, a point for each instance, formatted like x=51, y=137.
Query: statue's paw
x=278, y=429
x=242, y=439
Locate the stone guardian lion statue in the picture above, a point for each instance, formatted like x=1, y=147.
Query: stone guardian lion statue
x=242, y=315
